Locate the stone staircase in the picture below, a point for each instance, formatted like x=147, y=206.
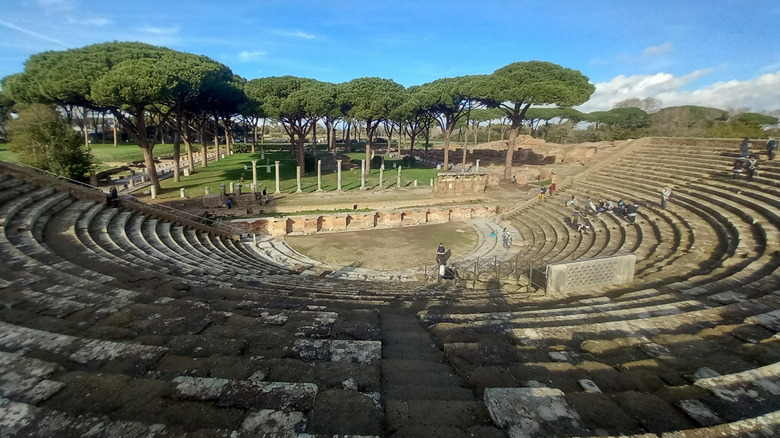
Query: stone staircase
x=120, y=323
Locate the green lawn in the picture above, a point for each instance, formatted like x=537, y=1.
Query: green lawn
x=6, y=155
x=232, y=169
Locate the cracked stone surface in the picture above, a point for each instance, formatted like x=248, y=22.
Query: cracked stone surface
x=532, y=412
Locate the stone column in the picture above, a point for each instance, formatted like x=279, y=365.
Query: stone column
x=154, y=192
x=398, y=180
x=362, y=174
x=415, y=183
x=182, y=193
x=431, y=182
x=262, y=154
x=232, y=187
x=298, y=178
x=222, y=189
x=477, y=170
x=208, y=190
x=254, y=172
x=277, y=176
x=319, y=175
x=339, y=176
x=381, y=175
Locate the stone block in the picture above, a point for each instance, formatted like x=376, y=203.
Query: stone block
x=460, y=213
x=247, y=394
x=699, y=412
x=438, y=216
x=268, y=422
x=567, y=276
x=361, y=221
x=533, y=412
x=388, y=219
x=355, y=351
x=414, y=217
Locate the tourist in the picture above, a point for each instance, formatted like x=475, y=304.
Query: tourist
x=113, y=197
x=575, y=216
x=600, y=207
x=449, y=273
x=752, y=165
x=552, y=189
x=745, y=147
x=666, y=193
x=440, y=253
x=632, y=211
x=739, y=167
x=542, y=192
x=590, y=205
x=771, y=147
x=572, y=201
x=229, y=202
x=507, y=238
x=620, y=209
x=584, y=227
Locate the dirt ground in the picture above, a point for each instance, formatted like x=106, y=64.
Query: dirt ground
x=388, y=249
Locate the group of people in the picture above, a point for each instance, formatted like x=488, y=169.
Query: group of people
x=748, y=166
x=545, y=191
x=748, y=163
x=446, y=271
x=619, y=208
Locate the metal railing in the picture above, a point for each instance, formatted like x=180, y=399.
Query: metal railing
x=491, y=273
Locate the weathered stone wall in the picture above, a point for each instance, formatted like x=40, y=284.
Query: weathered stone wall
x=449, y=184
x=362, y=221
x=567, y=276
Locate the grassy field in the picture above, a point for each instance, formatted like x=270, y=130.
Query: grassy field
x=6, y=155
x=232, y=169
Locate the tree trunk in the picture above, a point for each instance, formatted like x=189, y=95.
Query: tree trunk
x=447, y=133
x=204, y=160
x=176, y=148
x=216, y=141
x=254, y=136
x=510, y=150
x=151, y=169
x=85, y=126
x=347, y=140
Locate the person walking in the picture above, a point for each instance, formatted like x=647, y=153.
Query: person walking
x=552, y=189
x=440, y=253
x=666, y=193
x=507, y=238
x=744, y=147
x=752, y=165
x=771, y=147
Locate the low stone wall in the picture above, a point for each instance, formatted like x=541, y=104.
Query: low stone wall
x=362, y=220
x=568, y=276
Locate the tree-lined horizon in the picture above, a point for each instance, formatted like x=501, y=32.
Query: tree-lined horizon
x=149, y=89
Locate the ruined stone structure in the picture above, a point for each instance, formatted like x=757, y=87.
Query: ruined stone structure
x=118, y=322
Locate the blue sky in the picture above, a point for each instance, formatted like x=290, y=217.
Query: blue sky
x=716, y=53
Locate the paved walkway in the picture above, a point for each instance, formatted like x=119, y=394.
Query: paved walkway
x=489, y=249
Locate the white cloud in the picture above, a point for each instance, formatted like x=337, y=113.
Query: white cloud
x=250, y=56
x=160, y=30
x=296, y=34
x=662, y=86
x=657, y=50
x=89, y=21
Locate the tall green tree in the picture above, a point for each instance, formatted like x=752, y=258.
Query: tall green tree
x=42, y=138
x=135, y=82
x=515, y=87
x=295, y=102
x=449, y=100
x=372, y=100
